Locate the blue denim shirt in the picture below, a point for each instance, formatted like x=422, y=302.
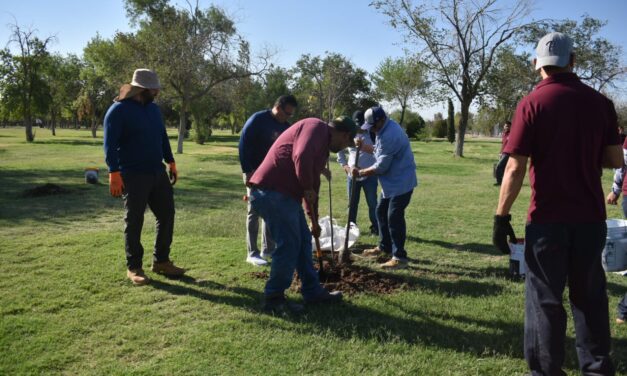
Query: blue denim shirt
x=395, y=164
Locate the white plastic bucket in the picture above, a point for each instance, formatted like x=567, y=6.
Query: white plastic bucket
x=613, y=257
x=517, y=259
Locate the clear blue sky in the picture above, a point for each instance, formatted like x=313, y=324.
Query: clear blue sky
x=295, y=27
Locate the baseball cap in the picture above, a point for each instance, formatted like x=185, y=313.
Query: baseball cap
x=372, y=115
x=553, y=49
x=345, y=124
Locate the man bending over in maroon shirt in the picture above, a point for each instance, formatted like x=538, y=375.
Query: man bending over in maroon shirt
x=289, y=174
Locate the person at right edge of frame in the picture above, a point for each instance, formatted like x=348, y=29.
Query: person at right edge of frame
x=396, y=169
x=620, y=185
x=568, y=131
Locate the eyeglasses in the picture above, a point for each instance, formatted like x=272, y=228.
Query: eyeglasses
x=288, y=114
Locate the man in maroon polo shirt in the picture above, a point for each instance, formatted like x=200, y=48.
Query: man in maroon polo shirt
x=504, y=157
x=568, y=130
x=289, y=173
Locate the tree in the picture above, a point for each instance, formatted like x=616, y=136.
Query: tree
x=509, y=79
x=193, y=50
x=414, y=123
x=63, y=77
x=22, y=84
x=329, y=85
x=597, y=60
x=460, y=40
x=450, y=121
x=401, y=80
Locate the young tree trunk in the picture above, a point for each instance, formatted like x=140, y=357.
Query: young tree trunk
x=53, y=125
x=463, y=122
x=94, y=127
x=28, y=126
x=182, y=124
x=402, y=114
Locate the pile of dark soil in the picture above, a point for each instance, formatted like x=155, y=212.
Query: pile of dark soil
x=44, y=190
x=353, y=279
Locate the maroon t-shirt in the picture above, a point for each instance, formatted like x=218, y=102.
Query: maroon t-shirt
x=296, y=159
x=564, y=126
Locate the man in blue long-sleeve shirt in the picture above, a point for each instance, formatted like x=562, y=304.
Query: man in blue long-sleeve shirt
x=396, y=169
x=258, y=135
x=136, y=144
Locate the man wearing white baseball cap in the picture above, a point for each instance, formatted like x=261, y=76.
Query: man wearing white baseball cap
x=396, y=169
x=569, y=132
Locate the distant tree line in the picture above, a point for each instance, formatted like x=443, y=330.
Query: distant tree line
x=211, y=78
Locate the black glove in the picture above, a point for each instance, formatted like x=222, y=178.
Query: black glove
x=502, y=229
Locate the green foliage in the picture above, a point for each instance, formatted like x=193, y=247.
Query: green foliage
x=598, y=61
x=329, y=86
x=401, y=80
x=450, y=121
x=414, y=123
x=24, y=92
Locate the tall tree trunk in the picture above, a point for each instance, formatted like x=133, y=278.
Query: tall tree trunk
x=28, y=126
x=94, y=127
x=182, y=124
x=402, y=115
x=53, y=124
x=463, y=122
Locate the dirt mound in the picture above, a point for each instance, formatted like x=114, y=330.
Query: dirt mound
x=44, y=190
x=259, y=275
x=353, y=279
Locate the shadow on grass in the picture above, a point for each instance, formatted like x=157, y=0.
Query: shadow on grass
x=73, y=142
x=85, y=201
x=487, y=249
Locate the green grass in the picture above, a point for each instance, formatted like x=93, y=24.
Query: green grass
x=67, y=307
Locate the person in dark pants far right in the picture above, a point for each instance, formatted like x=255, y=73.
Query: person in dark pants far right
x=568, y=132
x=620, y=186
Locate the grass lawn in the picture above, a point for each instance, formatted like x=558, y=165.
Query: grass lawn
x=66, y=306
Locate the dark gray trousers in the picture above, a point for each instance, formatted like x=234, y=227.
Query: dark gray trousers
x=152, y=190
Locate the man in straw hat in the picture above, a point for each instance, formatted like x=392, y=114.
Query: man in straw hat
x=568, y=132
x=136, y=144
x=289, y=174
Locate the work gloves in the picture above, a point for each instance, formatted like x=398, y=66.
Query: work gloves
x=502, y=229
x=173, y=173
x=116, y=185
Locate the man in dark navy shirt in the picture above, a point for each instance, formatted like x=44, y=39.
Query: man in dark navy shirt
x=258, y=135
x=136, y=144
x=568, y=132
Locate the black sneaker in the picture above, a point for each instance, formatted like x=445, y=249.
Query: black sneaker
x=326, y=297
x=279, y=304
x=374, y=231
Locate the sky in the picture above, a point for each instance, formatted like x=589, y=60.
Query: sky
x=292, y=28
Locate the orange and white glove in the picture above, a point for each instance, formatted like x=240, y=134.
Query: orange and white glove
x=116, y=185
x=173, y=173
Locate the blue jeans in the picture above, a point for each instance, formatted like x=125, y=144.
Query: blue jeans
x=292, y=237
x=392, y=228
x=369, y=185
x=557, y=254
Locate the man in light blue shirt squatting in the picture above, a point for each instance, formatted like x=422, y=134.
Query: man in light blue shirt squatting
x=368, y=184
x=396, y=170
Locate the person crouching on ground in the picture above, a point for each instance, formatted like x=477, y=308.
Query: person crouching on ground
x=136, y=144
x=289, y=174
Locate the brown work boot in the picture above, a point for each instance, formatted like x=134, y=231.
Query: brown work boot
x=372, y=252
x=137, y=276
x=167, y=268
x=394, y=264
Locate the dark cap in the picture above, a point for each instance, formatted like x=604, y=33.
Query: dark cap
x=358, y=118
x=345, y=124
